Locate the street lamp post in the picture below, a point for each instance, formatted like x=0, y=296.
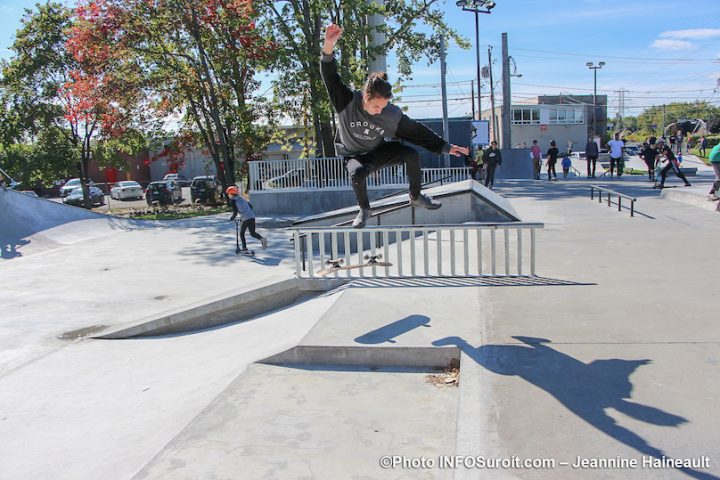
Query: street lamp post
x=477, y=7
x=595, y=68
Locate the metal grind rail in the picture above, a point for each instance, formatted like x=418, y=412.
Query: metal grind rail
x=610, y=193
x=457, y=250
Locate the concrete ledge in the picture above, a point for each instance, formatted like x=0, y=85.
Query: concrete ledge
x=224, y=309
x=434, y=357
x=691, y=197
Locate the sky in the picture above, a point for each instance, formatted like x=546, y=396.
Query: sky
x=657, y=51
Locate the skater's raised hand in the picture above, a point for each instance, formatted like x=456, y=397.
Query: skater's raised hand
x=458, y=151
x=332, y=35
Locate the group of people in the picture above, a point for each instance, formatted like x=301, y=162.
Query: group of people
x=656, y=152
x=551, y=156
x=484, y=163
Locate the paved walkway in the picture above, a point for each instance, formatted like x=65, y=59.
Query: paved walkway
x=617, y=366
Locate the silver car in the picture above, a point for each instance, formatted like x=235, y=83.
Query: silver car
x=71, y=185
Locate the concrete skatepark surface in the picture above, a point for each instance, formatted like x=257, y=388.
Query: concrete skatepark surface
x=619, y=362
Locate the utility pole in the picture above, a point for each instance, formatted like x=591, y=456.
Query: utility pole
x=662, y=134
x=377, y=62
x=472, y=97
x=621, y=105
x=446, y=123
x=492, y=96
x=506, y=140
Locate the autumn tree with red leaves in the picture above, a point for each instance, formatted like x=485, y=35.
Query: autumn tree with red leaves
x=196, y=60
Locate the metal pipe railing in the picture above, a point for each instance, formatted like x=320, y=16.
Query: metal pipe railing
x=460, y=250
x=321, y=173
x=609, y=195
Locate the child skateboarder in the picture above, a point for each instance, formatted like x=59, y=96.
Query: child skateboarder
x=365, y=120
x=241, y=207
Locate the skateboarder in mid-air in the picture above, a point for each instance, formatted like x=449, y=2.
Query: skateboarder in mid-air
x=365, y=120
x=241, y=207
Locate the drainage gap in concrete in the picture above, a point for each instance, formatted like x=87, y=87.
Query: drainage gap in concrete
x=81, y=333
x=450, y=377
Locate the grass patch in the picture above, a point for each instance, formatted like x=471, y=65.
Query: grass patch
x=171, y=212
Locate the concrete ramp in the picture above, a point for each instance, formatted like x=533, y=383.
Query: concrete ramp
x=30, y=225
x=465, y=201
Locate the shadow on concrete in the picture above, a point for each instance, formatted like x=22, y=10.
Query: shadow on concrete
x=386, y=333
x=436, y=282
x=9, y=246
x=579, y=188
x=587, y=390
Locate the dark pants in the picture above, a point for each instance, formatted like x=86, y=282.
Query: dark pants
x=678, y=173
x=248, y=225
x=490, y=174
x=537, y=166
x=591, y=161
x=651, y=168
x=613, y=162
x=716, y=184
x=551, y=170
x=391, y=153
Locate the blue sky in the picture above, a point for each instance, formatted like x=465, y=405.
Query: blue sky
x=659, y=51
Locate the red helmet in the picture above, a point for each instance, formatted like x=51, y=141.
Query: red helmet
x=232, y=190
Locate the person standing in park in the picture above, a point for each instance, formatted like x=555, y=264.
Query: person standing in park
x=672, y=163
x=536, y=154
x=365, y=120
x=491, y=159
x=566, y=164
x=591, y=154
x=715, y=162
x=703, y=145
x=552, y=156
x=616, y=152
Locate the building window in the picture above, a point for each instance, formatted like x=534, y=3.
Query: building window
x=566, y=116
x=525, y=116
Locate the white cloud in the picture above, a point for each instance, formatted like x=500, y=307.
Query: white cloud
x=668, y=44
x=692, y=33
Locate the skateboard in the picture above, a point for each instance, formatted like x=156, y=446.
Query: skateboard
x=336, y=264
x=250, y=253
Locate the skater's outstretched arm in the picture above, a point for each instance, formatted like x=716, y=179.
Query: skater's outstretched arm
x=340, y=94
x=420, y=135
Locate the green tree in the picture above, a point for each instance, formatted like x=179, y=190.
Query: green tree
x=53, y=91
x=199, y=60
x=298, y=28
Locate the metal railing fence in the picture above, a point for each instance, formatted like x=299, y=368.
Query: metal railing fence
x=459, y=250
x=320, y=173
x=609, y=193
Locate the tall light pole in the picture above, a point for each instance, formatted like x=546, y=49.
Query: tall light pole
x=477, y=7
x=594, y=68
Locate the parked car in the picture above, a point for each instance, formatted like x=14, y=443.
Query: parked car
x=163, y=192
x=71, y=185
x=127, y=189
x=75, y=197
x=632, y=150
x=205, y=189
x=177, y=178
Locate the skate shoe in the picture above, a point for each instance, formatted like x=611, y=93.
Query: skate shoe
x=425, y=202
x=361, y=218
x=263, y=242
